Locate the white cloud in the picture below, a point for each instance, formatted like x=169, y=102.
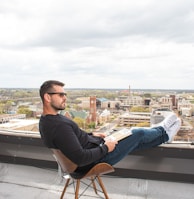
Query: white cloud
x=97, y=44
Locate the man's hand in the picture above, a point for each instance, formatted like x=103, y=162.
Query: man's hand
x=111, y=144
x=99, y=134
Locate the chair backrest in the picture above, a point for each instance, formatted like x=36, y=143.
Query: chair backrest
x=65, y=163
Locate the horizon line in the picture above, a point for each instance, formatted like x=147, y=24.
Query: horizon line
x=78, y=88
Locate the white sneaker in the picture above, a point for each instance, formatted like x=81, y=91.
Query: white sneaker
x=169, y=121
x=172, y=131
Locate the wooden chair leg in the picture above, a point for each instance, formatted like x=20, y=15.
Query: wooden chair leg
x=94, y=185
x=77, y=189
x=102, y=187
x=65, y=187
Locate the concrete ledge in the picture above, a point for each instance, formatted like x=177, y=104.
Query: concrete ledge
x=170, y=162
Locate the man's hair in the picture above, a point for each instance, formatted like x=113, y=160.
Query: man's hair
x=47, y=87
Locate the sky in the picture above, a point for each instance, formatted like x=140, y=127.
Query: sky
x=146, y=44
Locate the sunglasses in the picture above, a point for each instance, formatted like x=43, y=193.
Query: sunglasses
x=61, y=94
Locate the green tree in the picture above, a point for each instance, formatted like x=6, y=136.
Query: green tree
x=148, y=95
x=91, y=125
x=139, y=109
x=80, y=122
x=2, y=108
x=7, y=106
x=25, y=110
x=143, y=124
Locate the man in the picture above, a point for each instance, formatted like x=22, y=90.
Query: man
x=87, y=149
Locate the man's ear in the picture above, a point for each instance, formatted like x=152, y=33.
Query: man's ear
x=47, y=97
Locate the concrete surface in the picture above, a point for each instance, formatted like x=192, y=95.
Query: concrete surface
x=26, y=182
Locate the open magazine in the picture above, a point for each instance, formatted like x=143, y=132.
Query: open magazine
x=119, y=135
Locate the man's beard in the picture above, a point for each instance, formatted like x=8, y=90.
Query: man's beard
x=57, y=108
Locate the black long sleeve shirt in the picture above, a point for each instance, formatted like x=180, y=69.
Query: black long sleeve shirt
x=82, y=148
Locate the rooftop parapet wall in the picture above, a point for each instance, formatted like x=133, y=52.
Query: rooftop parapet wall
x=171, y=162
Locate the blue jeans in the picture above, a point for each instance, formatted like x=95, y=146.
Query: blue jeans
x=141, y=138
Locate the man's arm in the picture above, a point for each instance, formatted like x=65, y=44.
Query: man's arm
x=68, y=141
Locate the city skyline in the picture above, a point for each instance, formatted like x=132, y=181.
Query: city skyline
x=97, y=44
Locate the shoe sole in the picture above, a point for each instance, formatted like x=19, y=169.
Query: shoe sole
x=176, y=127
x=169, y=121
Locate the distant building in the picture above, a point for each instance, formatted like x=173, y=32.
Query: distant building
x=85, y=102
x=185, y=107
x=134, y=118
x=161, y=103
x=73, y=113
x=21, y=125
x=186, y=112
x=158, y=116
x=127, y=102
x=7, y=117
x=174, y=101
x=93, y=108
x=104, y=116
x=103, y=103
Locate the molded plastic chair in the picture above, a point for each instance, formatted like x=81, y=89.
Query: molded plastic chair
x=68, y=167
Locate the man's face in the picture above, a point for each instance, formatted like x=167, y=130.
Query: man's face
x=58, y=98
